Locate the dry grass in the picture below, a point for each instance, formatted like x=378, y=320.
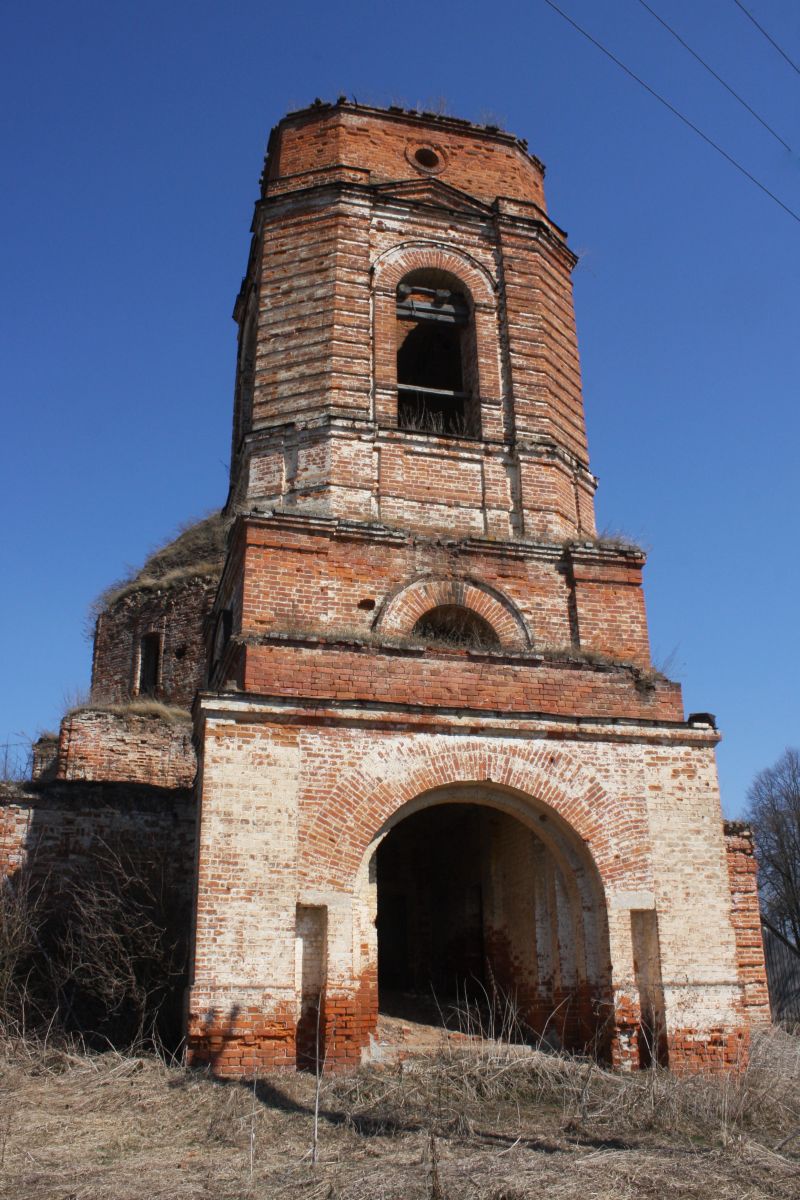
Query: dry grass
x=198, y=551
x=498, y=1123
x=607, y=539
x=143, y=706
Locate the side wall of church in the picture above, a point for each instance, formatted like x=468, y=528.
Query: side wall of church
x=124, y=748
x=176, y=615
x=54, y=826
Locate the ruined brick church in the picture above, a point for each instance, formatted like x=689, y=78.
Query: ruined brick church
x=429, y=755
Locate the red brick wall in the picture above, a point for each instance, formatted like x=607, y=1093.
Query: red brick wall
x=542, y=339
x=743, y=869
x=44, y=755
x=177, y=614
x=308, y=790
x=381, y=144
x=609, y=603
x=99, y=745
x=304, y=577
x=464, y=679
x=55, y=824
x=338, y=720
x=328, y=255
x=313, y=339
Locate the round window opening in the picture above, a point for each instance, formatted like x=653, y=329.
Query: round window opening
x=427, y=158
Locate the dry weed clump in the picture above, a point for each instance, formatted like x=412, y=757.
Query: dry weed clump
x=140, y=706
x=197, y=551
x=607, y=539
x=497, y=1122
x=455, y=1086
x=98, y=951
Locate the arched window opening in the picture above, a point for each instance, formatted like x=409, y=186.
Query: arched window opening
x=149, y=664
x=456, y=626
x=436, y=388
x=430, y=359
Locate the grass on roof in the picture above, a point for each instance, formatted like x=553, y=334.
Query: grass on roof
x=197, y=552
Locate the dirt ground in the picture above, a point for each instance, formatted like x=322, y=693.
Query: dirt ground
x=492, y=1122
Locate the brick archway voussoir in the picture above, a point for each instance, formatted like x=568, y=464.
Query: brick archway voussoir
x=400, y=613
x=550, y=780
x=394, y=264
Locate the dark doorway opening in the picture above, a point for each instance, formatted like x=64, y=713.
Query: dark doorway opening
x=431, y=946
x=485, y=916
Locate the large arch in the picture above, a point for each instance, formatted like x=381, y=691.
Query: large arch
x=394, y=264
x=475, y=890
x=597, y=843
x=541, y=773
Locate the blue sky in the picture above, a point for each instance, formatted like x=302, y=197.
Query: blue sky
x=133, y=141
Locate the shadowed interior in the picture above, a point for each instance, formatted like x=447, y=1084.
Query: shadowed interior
x=476, y=911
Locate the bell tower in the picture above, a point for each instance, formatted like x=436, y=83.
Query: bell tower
x=433, y=750
x=406, y=332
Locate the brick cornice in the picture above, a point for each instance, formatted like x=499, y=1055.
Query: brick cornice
x=534, y=221
x=585, y=558
x=539, y=228
x=586, y=554
x=338, y=528
x=327, y=425
x=240, y=707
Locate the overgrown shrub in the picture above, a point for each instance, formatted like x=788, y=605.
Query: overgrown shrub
x=98, y=949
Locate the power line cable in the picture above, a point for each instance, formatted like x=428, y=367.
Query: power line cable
x=770, y=39
x=711, y=71
x=709, y=141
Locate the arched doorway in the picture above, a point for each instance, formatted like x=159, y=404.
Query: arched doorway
x=488, y=902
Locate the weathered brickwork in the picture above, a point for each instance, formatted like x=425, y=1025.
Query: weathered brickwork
x=44, y=757
x=95, y=744
x=431, y=751
x=320, y=298
x=174, y=615
x=598, y=892
x=482, y=163
x=301, y=575
x=168, y=602
x=441, y=678
x=628, y=812
x=747, y=919
x=53, y=826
